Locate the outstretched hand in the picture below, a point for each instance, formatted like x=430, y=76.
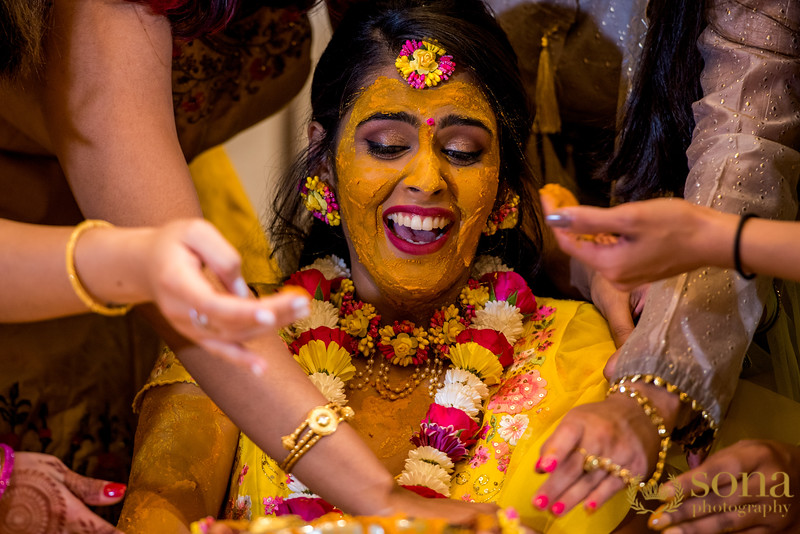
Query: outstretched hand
x=45, y=496
x=656, y=239
x=218, y=317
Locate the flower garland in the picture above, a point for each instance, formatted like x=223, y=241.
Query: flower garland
x=476, y=335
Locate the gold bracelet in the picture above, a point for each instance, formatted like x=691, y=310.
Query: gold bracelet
x=700, y=432
x=321, y=421
x=657, y=421
x=72, y=274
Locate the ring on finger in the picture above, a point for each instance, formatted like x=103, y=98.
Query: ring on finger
x=199, y=320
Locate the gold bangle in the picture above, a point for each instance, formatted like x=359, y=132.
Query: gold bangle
x=321, y=421
x=698, y=434
x=657, y=421
x=72, y=274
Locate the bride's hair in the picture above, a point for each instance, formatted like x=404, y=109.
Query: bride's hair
x=368, y=39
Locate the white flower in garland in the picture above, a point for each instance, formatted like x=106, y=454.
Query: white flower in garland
x=487, y=264
x=297, y=488
x=421, y=473
x=323, y=313
x=429, y=454
x=501, y=316
x=455, y=375
x=458, y=396
x=331, y=387
x=330, y=266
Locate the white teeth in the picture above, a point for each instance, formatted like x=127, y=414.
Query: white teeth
x=416, y=222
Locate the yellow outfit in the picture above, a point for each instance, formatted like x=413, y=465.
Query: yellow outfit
x=558, y=364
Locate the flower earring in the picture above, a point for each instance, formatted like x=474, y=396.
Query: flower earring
x=504, y=217
x=319, y=200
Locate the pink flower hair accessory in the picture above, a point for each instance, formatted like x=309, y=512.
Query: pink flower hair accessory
x=424, y=64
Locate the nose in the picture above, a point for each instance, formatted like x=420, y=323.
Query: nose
x=425, y=174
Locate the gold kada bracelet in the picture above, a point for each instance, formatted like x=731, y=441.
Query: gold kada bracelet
x=72, y=274
x=321, y=421
x=657, y=421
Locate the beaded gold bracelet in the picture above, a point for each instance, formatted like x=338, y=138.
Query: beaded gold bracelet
x=700, y=432
x=72, y=274
x=657, y=421
x=321, y=421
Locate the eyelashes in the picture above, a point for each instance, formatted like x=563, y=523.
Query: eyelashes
x=390, y=152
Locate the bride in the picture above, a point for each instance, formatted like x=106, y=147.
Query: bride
x=423, y=238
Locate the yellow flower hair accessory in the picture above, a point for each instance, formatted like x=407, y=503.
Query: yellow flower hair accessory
x=423, y=64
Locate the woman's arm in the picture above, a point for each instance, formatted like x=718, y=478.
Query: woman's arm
x=184, y=451
x=665, y=237
x=103, y=106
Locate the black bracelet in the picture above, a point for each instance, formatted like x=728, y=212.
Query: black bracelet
x=737, y=242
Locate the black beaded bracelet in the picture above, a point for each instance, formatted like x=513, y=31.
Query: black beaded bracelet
x=737, y=242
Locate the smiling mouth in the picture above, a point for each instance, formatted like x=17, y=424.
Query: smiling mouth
x=418, y=229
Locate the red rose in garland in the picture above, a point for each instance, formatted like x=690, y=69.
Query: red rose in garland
x=313, y=281
x=511, y=287
x=492, y=340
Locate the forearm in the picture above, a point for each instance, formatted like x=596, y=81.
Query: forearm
x=269, y=407
x=696, y=327
x=110, y=263
x=108, y=103
x=184, y=452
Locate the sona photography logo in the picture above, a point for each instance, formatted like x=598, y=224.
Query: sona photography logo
x=744, y=493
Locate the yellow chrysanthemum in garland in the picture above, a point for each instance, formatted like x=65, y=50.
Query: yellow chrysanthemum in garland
x=477, y=360
x=477, y=297
x=315, y=357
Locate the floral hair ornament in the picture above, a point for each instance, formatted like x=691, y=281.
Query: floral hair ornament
x=423, y=64
x=504, y=217
x=319, y=200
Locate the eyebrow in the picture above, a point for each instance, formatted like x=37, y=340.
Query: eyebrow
x=401, y=116
x=456, y=120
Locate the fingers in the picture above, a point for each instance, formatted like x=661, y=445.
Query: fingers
x=93, y=491
x=588, y=220
x=620, y=322
x=236, y=319
x=79, y=519
x=559, y=446
x=219, y=255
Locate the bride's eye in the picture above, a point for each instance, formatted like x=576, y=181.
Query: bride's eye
x=461, y=157
x=382, y=151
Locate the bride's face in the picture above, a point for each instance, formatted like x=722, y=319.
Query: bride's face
x=417, y=174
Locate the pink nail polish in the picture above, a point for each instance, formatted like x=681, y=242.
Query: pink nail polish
x=541, y=501
x=114, y=489
x=538, y=466
x=549, y=464
x=591, y=506
x=557, y=508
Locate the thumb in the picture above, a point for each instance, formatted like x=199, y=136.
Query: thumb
x=93, y=491
x=611, y=365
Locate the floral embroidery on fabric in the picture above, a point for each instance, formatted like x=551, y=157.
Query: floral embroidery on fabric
x=519, y=393
x=272, y=504
x=242, y=473
x=479, y=457
x=235, y=62
x=512, y=427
